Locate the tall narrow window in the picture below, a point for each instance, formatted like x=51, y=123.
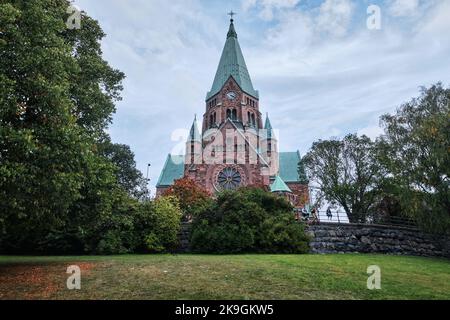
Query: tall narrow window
x=228, y=114
x=234, y=114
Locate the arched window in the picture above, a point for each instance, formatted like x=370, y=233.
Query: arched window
x=215, y=119
x=234, y=115
x=253, y=120
x=228, y=114
x=211, y=121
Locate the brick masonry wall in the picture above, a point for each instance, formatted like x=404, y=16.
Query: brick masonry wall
x=356, y=238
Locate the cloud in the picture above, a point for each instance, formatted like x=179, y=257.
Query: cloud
x=403, y=8
x=335, y=16
x=268, y=7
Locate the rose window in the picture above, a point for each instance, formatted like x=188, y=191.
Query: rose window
x=229, y=179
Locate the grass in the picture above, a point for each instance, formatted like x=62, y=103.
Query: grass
x=225, y=277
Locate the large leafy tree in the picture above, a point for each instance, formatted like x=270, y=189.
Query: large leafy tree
x=128, y=176
x=346, y=172
x=57, y=97
x=416, y=150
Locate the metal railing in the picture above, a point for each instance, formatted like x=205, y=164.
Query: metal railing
x=321, y=216
x=341, y=217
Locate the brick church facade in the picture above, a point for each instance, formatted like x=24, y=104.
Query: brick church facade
x=236, y=147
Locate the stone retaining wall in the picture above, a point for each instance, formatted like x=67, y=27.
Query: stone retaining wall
x=357, y=238
x=183, y=237
x=360, y=238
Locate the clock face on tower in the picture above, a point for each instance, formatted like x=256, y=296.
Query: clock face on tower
x=231, y=95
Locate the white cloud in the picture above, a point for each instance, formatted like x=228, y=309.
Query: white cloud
x=372, y=132
x=335, y=16
x=403, y=8
x=268, y=7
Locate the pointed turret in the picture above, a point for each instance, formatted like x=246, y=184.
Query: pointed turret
x=268, y=128
x=194, y=134
x=232, y=64
x=194, y=146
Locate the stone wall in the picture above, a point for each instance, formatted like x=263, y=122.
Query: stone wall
x=356, y=238
x=183, y=237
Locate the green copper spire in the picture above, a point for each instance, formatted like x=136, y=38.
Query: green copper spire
x=194, y=134
x=232, y=64
x=268, y=127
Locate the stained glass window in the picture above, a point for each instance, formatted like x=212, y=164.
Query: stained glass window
x=229, y=179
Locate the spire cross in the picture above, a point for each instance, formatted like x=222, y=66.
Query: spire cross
x=231, y=14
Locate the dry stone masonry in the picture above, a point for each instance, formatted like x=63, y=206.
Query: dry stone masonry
x=359, y=238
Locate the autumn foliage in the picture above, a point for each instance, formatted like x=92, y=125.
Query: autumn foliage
x=193, y=198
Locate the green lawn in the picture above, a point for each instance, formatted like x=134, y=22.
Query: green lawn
x=225, y=277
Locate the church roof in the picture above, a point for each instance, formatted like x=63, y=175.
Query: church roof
x=279, y=186
x=232, y=64
x=289, y=166
x=173, y=170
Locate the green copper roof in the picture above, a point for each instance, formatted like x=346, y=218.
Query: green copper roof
x=289, y=166
x=173, y=170
x=279, y=186
x=232, y=64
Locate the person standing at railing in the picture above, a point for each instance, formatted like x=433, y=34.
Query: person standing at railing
x=329, y=214
x=314, y=216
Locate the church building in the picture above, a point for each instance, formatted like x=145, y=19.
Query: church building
x=236, y=147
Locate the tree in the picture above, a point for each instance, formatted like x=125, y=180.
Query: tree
x=303, y=177
x=128, y=176
x=347, y=172
x=40, y=143
x=193, y=198
x=57, y=97
x=415, y=150
x=163, y=217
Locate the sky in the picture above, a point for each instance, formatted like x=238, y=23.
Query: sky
x=320, y=70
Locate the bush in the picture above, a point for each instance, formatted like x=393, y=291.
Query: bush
x=248, y=220
x=111, y=243
x=159, y=224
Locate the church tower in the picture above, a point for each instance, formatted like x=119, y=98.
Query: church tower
x=234, y=147
x=231, y=127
